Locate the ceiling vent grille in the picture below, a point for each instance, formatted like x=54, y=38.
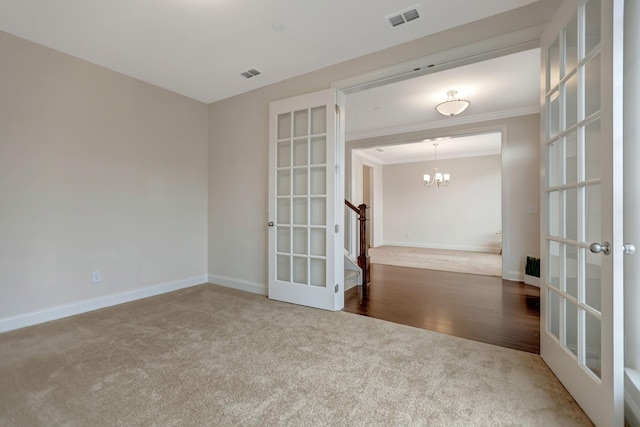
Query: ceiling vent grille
x=402, y=17
x=250, y=73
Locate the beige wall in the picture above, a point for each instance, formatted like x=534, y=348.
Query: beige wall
x=466, y=215
x=98, y=171
x=238, y=146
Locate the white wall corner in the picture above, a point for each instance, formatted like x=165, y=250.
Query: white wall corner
x=59, y=312
x=241, y=285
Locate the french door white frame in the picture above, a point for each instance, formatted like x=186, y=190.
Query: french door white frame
x=598, y=390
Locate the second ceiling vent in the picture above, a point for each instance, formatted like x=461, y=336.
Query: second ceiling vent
x=402, y=17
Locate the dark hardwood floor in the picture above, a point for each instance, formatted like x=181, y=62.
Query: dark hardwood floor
x=480, y=308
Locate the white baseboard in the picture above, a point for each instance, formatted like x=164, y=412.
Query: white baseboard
x=515, y=276
x=242, y=285
x=532, y=280
x=489, y=249
x=59, y=312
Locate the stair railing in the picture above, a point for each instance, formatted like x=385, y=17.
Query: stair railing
x=363, y=250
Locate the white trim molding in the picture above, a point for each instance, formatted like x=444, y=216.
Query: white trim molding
x=487, y=249
x=241, y=285
x=632, y=397
x=59, y=312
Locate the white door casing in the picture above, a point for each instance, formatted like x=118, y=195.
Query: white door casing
x=306, y=200
x=581, y=319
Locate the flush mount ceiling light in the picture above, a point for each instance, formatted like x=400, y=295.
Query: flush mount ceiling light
x=453, y=105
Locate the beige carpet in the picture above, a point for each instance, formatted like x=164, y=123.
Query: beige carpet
x=484, y=264
x=210, y=356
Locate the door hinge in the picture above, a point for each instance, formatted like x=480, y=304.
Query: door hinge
x=337, y=288
x=337, y=109
x=337, y=169
x=337, y=228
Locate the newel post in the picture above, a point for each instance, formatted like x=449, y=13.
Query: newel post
x=363, y=257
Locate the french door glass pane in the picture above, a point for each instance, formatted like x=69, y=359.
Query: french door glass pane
x=555, y=163
x=283, y=237
x=300, y=123
x=553, y=302
x=300, y=211
x=318, y=181
x=571, y=326
x=300, y=241
x=284, y=154
x=553, y=64
x=592, y=24
x=592, y=86
x=300, y=270
x=318, y=272
x=592, y=213
x=555, y=213
x=318, y=242
x=318, y=150
x=284, y=126
x=284, y=182
x=571, y=159
x=318, y=211
x=553, y=106
x=592, y=150
x=318, y=120
x=300, y=182
x=300, y=152
x=593, y=345
x=571, y=212
x=556, y=258
x=571, y=45
x=571, y=101
x=283, y=268
x=283, y=211
x=571, y=270
x=593, y=279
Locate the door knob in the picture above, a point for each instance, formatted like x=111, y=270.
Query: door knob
x=596, y=248
x=629, y=249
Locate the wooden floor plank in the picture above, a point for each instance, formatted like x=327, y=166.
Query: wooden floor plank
x=480, y=308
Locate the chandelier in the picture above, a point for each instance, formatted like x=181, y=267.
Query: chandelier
x=453, y=105
x=442, y=179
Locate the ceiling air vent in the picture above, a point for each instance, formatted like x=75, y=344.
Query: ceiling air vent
x=404, y=16
x=250, y=73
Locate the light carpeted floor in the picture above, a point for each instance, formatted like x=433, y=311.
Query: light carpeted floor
x=482, y=263
x=208, y=356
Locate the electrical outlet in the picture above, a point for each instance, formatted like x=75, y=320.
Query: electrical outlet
x=96, y=277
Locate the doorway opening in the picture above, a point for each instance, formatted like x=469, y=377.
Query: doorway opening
x=454, y=228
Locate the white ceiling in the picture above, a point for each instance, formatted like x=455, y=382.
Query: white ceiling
x=500, y=87
x=198, y=48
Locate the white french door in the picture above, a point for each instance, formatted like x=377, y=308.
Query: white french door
x=306, y=200
x=581, y=320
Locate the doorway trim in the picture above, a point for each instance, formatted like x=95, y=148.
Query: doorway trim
x=399, y=139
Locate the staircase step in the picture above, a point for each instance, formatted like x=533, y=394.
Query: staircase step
x=350, y=279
